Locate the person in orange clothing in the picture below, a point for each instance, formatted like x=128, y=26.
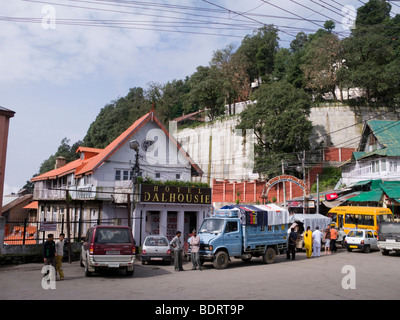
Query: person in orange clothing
x=334, y=236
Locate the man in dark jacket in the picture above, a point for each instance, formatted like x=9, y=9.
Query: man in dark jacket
x=292, y=244
x=49, y=251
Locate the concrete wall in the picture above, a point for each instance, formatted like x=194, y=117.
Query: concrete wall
x=341, y=126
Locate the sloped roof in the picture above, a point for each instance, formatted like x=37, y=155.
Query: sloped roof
x=62, y=171
x=16, y=202
x=388, y=134
x=85, y=166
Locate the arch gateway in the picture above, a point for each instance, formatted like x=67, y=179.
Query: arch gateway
x=283, y=178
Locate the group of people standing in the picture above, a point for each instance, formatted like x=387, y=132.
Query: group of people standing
x=194, y=243
x=53, y=253
x=312, y=241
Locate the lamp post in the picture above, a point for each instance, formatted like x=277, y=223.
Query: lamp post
x=134, y=145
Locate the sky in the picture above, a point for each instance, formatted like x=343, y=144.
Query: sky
x=61, y=61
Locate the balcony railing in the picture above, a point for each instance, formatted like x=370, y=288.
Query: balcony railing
x=118, y=194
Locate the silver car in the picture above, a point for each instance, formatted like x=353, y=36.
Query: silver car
x=156, y=249
x=363, y=239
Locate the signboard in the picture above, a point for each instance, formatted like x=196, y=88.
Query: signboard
x=174, y=194
x=283, y=178
x=331, y=196
x=48, y=226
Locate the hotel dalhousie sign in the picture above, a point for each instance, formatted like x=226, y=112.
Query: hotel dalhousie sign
x=174, y=194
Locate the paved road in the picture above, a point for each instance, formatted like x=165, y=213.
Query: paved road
x=366, y=276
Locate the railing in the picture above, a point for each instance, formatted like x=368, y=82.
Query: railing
x=117, y=193
x=26, y=232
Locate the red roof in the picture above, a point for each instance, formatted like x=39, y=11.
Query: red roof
x=98, y=156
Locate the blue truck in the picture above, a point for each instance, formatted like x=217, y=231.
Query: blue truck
x=243, y=232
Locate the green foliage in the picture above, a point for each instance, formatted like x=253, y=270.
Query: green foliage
x=279, y=120
x=64, y=150
x=174, y=183
x=116, y=117
x=327, y=180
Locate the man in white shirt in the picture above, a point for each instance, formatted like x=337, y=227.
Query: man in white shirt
x=317, y=237
x=195, y=247
x=59, y=256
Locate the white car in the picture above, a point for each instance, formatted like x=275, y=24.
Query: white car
x=363, y=239
x=156, y=249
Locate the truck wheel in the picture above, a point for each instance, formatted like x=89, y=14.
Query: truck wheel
x=269, y=256
x=221, y=260
x=385, y=252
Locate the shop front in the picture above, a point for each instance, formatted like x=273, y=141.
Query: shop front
x=163, y=210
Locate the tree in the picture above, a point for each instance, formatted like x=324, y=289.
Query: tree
x=369, y=53
x=64, y=150
x=280, y=123
x=206, y=91
x=322, y=58
x=232, y=73
x=259, y=50
x=116, y=117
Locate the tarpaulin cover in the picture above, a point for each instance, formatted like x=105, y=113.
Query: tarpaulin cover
x=276, y=214
x=311, y=220
x=261, y=215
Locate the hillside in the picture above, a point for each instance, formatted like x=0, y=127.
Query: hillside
x=315, y=68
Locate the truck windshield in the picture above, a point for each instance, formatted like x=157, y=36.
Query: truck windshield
x=212, y=226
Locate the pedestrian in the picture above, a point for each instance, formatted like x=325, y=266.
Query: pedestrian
x=334, y=236
x=195, y=245
x=60, y=256
x=49, y=254
x=308, y=242
x=327, y=240
x=292, y=244
x=317, y=237
x=177, y=245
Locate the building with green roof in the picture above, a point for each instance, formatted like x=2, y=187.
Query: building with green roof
x=377, y=156
x=375, y=167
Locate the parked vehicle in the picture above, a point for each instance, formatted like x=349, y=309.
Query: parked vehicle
x=353, y=217
x=108, y=247
x=243, y=232
x=302, y=221
x=156, y=248
x=389, y=237
x=363, y=239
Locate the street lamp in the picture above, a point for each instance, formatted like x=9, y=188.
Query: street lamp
x=134, y=145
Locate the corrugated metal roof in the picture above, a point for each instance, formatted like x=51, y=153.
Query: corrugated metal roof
x=388, y=134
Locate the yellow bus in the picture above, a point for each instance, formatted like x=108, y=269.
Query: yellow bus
x=349, y=217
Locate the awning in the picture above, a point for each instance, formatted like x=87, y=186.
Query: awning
x=340, y=200
x=32, y=205
x=359, y=183
x=370, y=196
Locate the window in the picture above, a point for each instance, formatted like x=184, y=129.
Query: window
x=383, y=165
x=118, y=175
x=178, y=176
x=125, y=175
x=158, y=175
x=231, y=226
